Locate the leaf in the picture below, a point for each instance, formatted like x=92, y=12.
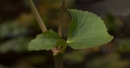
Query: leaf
x=45, y=41
x=86, y=30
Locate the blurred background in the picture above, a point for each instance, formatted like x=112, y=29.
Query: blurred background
x=18, y=26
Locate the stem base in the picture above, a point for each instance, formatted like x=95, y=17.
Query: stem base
x=58, y=60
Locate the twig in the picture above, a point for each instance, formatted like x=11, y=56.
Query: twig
x=61, y=18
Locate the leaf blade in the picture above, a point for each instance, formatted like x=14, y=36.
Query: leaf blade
x=86, y=30
x=45, y=41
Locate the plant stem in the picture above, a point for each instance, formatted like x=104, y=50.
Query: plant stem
x=63, y=49
x=36, y=14
x=58, y=56
x=61, y=18
x=58, y=60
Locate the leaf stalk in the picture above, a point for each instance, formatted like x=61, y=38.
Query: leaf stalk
x=36, y=14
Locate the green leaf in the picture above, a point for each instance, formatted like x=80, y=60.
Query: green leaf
x=86, y=30
x=45, y=41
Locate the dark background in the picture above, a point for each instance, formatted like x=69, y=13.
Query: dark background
x=18, y=26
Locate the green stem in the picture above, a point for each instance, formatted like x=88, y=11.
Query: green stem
x=36, y=14
x=63, y=49
x=58, y=60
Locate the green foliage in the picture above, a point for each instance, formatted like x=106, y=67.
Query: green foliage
x=46, y=41
x=86, y=30
x=9, y=28
x=12, y=37
x=17, y=44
